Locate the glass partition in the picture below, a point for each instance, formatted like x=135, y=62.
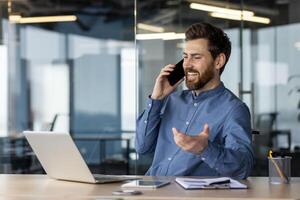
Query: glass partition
x=90, y=73
x=262, y=69
x=67, y=67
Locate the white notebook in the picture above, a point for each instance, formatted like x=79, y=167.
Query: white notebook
x=210, y=183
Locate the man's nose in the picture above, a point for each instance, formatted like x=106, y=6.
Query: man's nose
x=187, y=63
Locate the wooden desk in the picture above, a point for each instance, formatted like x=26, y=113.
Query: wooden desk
x=34, y=187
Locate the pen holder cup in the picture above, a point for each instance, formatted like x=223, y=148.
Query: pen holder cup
x=279, y=170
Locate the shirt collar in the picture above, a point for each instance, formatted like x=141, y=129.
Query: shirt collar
x=209, y=93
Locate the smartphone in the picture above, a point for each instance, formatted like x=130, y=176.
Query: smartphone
x=127, y=192
x=150, y=184
x=177, y=74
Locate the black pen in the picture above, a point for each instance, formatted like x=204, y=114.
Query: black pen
x=220, y=182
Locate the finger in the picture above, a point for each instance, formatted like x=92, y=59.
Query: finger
x=178, y=137
x=206, y=129
x=165, y=74
x=175, y=132
x=167, y=69
x=169, y=66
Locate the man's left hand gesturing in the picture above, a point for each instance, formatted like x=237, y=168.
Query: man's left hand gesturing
x=194, y=144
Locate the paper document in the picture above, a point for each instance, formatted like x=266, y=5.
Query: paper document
x=210, y=183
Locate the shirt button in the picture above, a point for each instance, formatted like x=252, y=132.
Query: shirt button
x=203, y=158
x=195, y=104
x=169, y=158
x=149, y=104
x=187, y=123
x=145, y=121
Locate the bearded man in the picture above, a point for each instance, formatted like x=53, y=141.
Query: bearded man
x=202, y=131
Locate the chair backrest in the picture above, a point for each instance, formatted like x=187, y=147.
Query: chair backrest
x=265, y=121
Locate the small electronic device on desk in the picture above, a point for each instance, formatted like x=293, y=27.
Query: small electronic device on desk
x=146, y=184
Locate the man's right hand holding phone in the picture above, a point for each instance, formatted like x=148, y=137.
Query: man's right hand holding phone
x=162, y=87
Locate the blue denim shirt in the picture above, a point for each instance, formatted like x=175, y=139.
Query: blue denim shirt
x=229, y=151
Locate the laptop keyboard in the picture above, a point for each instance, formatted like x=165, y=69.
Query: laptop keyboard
x=108, y=178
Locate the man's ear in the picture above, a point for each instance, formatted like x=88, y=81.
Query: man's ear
x=220, y=61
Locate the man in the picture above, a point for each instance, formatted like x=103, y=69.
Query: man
x=203, y=131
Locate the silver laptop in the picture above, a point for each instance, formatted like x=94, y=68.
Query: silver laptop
x=62, y=160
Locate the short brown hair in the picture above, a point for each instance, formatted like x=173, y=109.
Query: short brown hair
x=218, y=41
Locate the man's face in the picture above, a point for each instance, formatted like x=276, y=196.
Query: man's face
x=198, y=64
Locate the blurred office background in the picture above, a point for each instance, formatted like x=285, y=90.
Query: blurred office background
x=89, y=68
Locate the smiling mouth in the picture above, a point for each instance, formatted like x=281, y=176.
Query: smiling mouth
x=191, y=76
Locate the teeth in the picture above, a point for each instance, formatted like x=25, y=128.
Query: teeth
x=192, y=73
x=192, y=76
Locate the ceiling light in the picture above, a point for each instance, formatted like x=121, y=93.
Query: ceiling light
x=176, y=36
x=262, y=20
x=14, y=18
x=44, y=19
x=210, y=8
x=161, y=36
x=152, y=28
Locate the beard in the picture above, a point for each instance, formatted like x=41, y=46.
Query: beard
x=198, y=80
